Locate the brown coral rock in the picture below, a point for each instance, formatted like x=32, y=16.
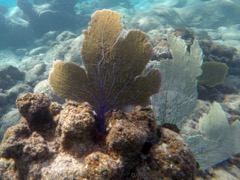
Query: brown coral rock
x=12, y=143
x=77, y=120
x=55, y=108
x=144, y=119
x=125, y=138
x=170, y=158
x=102, y=166
x=8, y=169
x=27, y=149
x=77, y=125
x=62, y=167
x=35, y=108
x=134, y=148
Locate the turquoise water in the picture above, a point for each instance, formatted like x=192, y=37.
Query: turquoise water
x=8, y=3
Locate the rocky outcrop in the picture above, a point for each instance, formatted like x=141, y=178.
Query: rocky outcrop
x=54, y=141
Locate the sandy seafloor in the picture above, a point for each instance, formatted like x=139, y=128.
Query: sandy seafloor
x=32, y=57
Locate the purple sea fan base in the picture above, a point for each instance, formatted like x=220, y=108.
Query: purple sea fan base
x=100, y=118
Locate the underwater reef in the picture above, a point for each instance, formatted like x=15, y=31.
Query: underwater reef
x=92, y=137
x=187, y=39
x=54, y=141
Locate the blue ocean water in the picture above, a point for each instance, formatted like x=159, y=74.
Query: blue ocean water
x=8, y=3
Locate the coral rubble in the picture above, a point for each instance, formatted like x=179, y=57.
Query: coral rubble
x=54, y=141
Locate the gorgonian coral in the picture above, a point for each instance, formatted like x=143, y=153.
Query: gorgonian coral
x=114, y=73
